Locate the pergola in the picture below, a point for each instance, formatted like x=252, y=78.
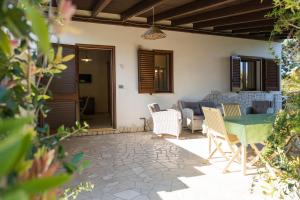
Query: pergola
x=233, y=18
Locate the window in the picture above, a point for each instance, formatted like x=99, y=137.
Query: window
x=254, y=74
x=250, y=74
x=155, y=71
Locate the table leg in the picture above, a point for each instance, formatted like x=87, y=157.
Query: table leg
x=258, y=154
x=244, y=159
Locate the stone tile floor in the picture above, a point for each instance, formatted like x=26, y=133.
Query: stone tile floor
x=141, y=166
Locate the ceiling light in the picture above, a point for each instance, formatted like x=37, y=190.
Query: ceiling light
x=86, y=59
x=154, y=32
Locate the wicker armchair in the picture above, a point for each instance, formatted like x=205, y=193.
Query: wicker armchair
x=192, y=113
x=165, y=121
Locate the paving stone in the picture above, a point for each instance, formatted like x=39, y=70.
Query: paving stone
x=138, y=170
x=142, y=197
x=127, y=194
x=108, y=177
x=138, y=166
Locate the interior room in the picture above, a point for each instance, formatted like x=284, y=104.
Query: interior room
x=94, y=92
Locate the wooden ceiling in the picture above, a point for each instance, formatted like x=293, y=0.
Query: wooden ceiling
x=233, y=18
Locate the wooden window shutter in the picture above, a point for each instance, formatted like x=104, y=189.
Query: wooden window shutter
x=146, y=71
x=271, y=75
x=235, y=73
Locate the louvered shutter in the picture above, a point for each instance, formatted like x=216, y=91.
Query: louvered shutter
x=64, y=88
x=271, y=75
x=235, y=73
x=146, y=71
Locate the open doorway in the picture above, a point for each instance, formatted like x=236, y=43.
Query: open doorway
x=96, y=85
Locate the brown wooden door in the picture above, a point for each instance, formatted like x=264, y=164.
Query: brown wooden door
x=64, y=88
x=271, y=75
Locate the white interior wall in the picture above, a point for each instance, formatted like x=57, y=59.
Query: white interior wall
x=99, y=86
x=201, y=64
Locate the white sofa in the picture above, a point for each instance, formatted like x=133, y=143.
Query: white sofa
x=192, y=115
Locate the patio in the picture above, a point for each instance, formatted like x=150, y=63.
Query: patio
x=150, y=100
x=141, y=166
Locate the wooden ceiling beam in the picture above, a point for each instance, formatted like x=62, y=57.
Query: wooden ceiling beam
x=260, y=33
x=255, y=29
x=239, y=9
x=101, y=4
x=163, y=27
x=249, y=17
x=194, y=6
x=139, y=8
x=264, y=22
x=268, y=33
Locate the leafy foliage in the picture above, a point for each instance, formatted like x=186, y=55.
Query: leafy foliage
x=73, y=193
x=286, y=13
x=282, y=151
x=30, y=157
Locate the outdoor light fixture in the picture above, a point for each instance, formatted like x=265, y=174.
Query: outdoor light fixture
x=86, y=59
x=154, y=32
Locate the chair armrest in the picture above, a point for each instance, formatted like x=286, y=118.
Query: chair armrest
x=168, y=115
x=188, y=113
x=178, y=113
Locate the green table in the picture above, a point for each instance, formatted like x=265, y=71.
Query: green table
x=250, y=129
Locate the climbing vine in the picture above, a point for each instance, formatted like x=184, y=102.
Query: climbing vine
x=282, y=151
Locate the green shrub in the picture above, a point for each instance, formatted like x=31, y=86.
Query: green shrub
x=32, y=161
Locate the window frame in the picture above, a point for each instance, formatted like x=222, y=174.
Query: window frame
x=171, y=67
x=252, y=59
x=141, y=67
x=265, y=83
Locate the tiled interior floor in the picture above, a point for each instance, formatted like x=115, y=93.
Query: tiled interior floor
x=98, y=120
x=141, y=166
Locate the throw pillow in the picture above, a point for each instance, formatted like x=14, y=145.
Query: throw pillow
x=192, y=105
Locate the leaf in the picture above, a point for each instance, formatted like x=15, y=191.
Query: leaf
x=61, y=129
x=5, y=43
x=12, y=150
x=19, y=194
x=77, y=157
x=61, y=152
x=68, y=58
x=55, y=71
x=69, y=167
x=39, y=27
x=51, y=55
x=83, y=165
x=61, y=67
x=9, y=126
x=40, y=185
x=43, y=97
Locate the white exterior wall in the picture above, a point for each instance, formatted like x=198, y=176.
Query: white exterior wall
x=201, y=64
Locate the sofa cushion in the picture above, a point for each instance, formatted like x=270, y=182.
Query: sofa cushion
x=208, y=104
x=260, y=107
x=192, y=105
